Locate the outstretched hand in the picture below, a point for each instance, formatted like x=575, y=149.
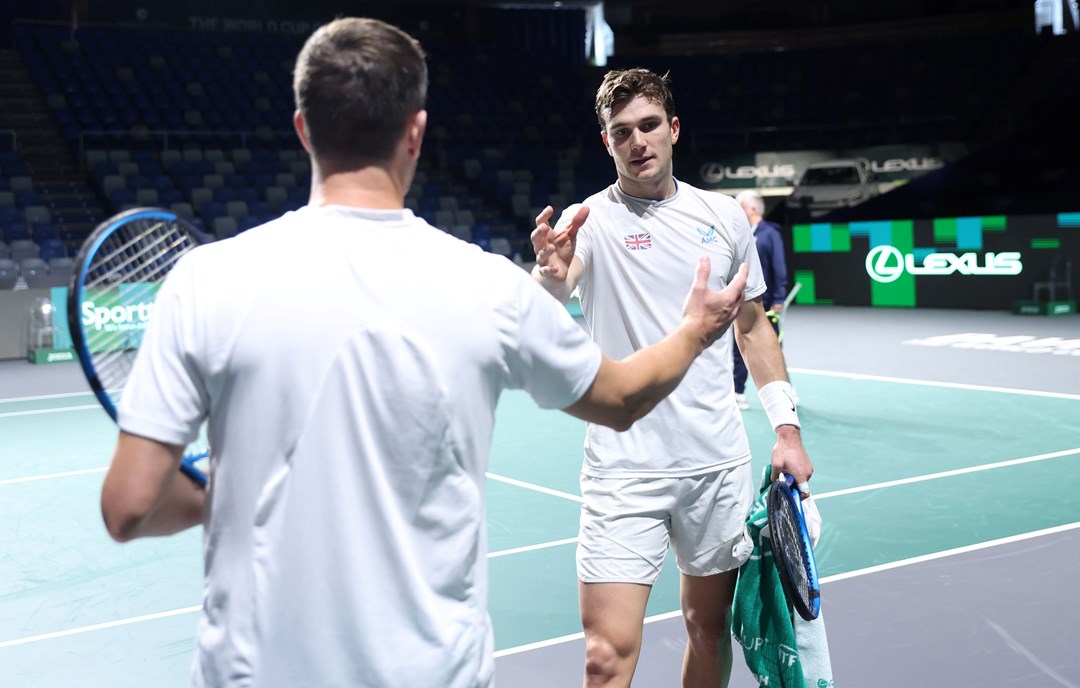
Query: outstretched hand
x=555, y=250
x=713, y=311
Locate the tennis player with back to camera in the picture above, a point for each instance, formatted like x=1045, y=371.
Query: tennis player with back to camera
x=350, y=418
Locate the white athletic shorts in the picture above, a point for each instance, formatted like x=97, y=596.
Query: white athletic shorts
x=627, y=525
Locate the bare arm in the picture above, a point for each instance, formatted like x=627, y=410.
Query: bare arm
x=760, y=349
x=144, y=492
x=757, y=342
x=557, y=269
x=626, y=390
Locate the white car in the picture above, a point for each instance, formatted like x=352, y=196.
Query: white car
x=833, y=184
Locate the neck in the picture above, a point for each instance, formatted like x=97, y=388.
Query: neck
x=375, y=187
x=653, y=191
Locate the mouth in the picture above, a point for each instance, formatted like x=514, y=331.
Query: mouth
x=640, y=162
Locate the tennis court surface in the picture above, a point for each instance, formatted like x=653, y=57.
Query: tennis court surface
x=947, y=474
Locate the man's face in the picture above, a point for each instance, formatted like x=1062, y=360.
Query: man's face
x=640, y=138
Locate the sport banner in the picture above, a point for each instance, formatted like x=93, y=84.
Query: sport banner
x=115, y=317
x=953, y=262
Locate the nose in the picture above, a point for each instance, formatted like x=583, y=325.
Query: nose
x=637, y=139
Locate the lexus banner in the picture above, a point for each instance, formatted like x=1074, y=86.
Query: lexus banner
x=955, y=262
x=771, y=169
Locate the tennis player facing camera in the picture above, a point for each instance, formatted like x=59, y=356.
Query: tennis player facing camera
x=681, y=477
x=350, y=417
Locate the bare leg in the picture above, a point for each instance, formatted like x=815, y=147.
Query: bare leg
x=612, y=615
x=706, y=606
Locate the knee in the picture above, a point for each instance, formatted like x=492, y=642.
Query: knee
x=606, y=659
x=708, y=631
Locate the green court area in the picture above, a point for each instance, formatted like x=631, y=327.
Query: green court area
x=902, y=470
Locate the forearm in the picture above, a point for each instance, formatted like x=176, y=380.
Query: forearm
x=145, y=494
x=180, y=507
x=762, y=354
x=626, y=390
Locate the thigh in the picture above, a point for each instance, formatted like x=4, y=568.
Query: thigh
x=706, y=600
x=614, y=611
x=708, y=526
x=624, y=533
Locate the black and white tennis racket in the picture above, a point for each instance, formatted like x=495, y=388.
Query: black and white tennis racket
x=792, y=550
x=117, y=273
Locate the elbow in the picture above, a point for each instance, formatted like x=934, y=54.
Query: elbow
x=122, y=529
x=122, y=524
x=623, y=423
x=630, y=412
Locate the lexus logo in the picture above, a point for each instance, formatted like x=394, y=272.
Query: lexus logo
x=885, y=264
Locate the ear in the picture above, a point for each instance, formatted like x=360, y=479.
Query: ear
x=414, y=133
x=301, y=130
x=603, y=137
x=675, y=127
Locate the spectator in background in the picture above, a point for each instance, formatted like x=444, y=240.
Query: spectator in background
x=770, y=249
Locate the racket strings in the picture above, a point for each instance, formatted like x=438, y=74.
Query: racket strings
x=138, y=264
x=127, y=270
x=793, y=551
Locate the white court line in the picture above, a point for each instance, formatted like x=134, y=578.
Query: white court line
x=952, y=552
x=575, y=498
x=535, y=488
x=828, y=579
x=38, y=412
x=949, y=474
x=191, y=610
x=98, y=627
x=933, y=383
x=557, y=543
x=40, y=397
x=532, y=548
x=50, y=476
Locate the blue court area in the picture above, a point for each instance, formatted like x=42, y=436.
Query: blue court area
x=904, y=470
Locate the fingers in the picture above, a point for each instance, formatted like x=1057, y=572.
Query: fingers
x=545, y=216
x=701, y=275
x=579, y=217
x=541, y=236
x=739, y=283
x=569, y=235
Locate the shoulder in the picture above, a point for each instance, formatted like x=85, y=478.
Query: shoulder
x=602, y=201
x=718, y=201
x=769, y=227
x=601, y=206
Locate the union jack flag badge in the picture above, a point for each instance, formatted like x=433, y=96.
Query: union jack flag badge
x=638, y=242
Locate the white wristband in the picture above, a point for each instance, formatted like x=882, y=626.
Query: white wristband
x=778, y=400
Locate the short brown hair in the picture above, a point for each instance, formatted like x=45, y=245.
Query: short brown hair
x=624, y=85
x=356, y=82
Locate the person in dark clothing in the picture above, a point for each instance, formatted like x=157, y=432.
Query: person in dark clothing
x=770, y=248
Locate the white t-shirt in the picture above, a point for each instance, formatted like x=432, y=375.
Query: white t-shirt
x=639, y=258
x=350, y=362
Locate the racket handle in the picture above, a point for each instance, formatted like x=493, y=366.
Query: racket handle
x=187, y=467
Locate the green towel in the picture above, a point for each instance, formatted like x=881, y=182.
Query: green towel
x=781, y=649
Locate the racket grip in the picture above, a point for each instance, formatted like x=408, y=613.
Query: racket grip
x=187, y=467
